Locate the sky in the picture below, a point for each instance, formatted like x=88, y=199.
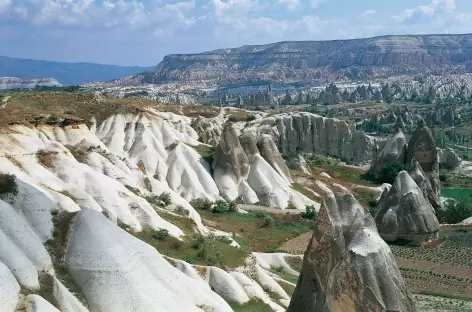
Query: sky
x=142, y=32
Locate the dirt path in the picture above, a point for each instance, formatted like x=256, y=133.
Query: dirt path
x=4, y=101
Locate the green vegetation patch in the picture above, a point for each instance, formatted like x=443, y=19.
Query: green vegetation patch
x=282, y=273
x=258, y=231
x=8, y=184
x=254, y=305
x=207, y=152
x=196, y=249
x=463, y=194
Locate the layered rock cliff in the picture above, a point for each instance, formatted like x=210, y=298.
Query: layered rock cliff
x=316, y=61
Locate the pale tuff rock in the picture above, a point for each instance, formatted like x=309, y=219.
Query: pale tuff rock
x=7, y=83
x=270, y=153
x=35, y=303
x=236, y=286
x=10, y=290
x=209, y=129
x=189, y=176
x=347, y=267
x=310, y=133
x=297, y=162
x=394, y=149
x=118, y=272
x=22, y=250
x=405, y=214
x=230, y=164
x=421, y=179
x=258, y=176
x=448, y=158
x=422, y=147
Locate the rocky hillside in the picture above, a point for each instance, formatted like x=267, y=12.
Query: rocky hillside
x=8, y=83
x=315, y=61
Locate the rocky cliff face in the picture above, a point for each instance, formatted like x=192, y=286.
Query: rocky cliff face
x=8, y=83
x=317, y=61
x=310, y=133
x=347, y=267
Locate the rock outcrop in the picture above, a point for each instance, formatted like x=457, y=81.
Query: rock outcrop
x=297, y=162
x=393, y=150
x=250, y=166
x=422, y=147
x=7, y=83
x=448, y=158
x=310, y=133
x=347, y=267
x=421, y=179
x=404, y=214
x=118, y=272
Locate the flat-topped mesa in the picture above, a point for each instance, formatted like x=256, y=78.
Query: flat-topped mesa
x=404, y=214
x=394, y=150
x=347, y=267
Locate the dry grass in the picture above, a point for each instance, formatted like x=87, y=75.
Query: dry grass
x=45, y=159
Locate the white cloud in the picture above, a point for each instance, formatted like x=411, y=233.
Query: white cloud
x=316, y=3
x=5, y=6
x=290, y=4
x=368, y=13
x=435, y=8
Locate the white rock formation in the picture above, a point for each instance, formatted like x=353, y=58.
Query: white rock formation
x=118, y=272
x=310, y=133
x=254, y=170
x=7, y=83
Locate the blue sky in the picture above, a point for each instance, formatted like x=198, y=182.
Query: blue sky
x=141, y=32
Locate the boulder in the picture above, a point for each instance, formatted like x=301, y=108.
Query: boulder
x=347, y=267
x=448, y=158
x=394, y=149
x=405, y=214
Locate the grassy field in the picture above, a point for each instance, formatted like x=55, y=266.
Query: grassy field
x=253, y=231
x=458, y=193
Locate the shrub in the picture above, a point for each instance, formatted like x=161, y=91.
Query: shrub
x=8, y=184
x=202, y=204
x=220, y=206
x=197, y=241
x=390, y=171
x=310, y=213
x=442, y=177
x=160, y=234
x=268, y=221
x=455, y=212
x=165, y=198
